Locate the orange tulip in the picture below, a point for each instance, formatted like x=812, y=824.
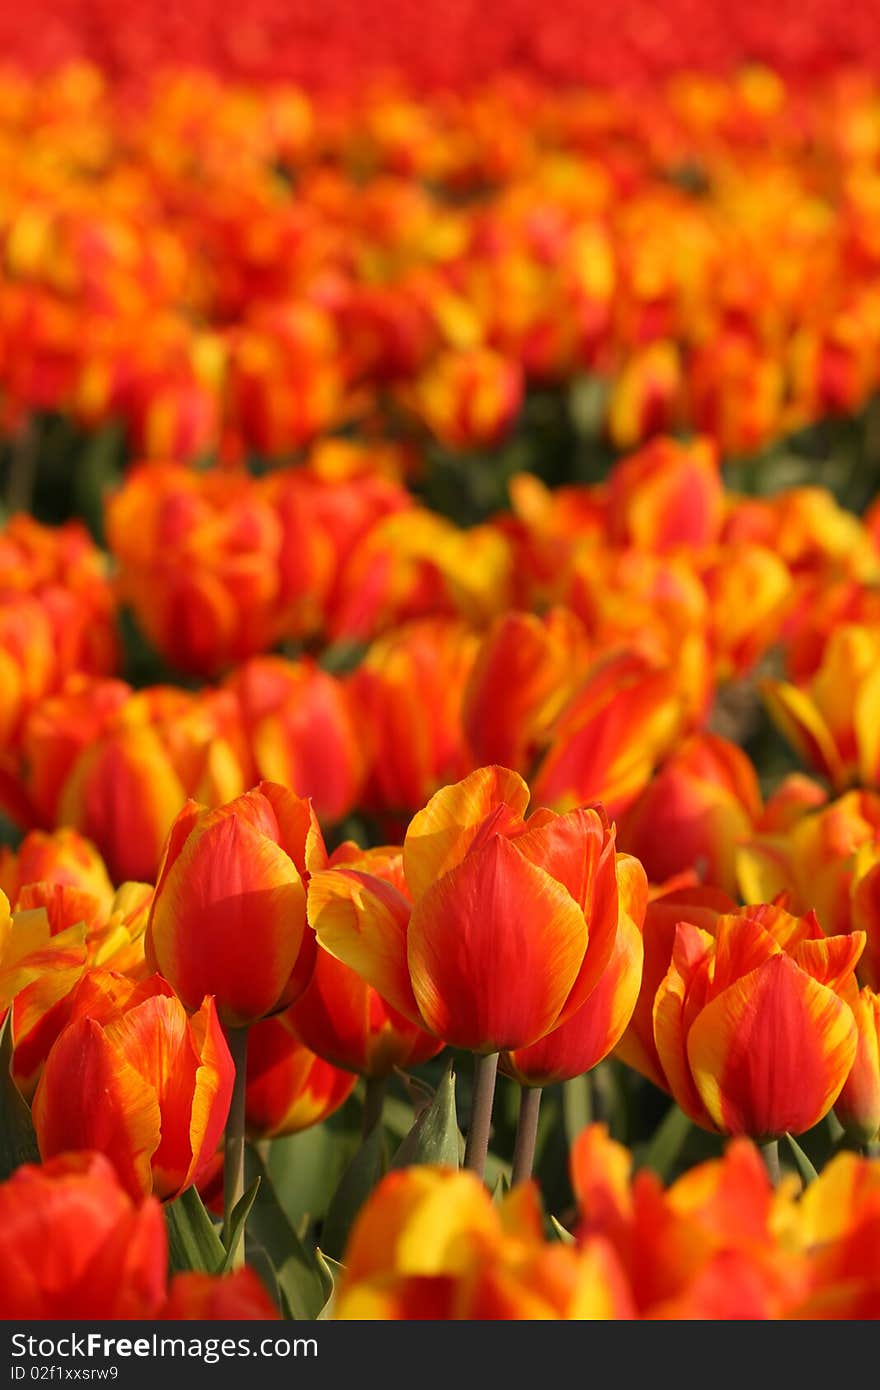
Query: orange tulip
x=705, y=1247
x=827, y=859
x=752, y=1023
x=62, y=856
x=148, y=1087
x=512, y=924
x=301, y=730
x=119, y=764
x=858, y=1105
x=696, y=810
x=76, y=1245
x=525, y=670
x=229, y=913
x=626, y=715
x=288, y=1087
x=469, y=397
x=344, y=1020
x=429, y=1244
x=407, y=694
x=831, y=723
x=665, y=495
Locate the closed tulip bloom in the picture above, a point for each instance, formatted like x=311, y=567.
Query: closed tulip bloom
x=229, y=914
x=665, y=495
x=288, y=1087
x=74, y=1243
x=753, y=1024
x=62, y=856
x=702, y=803
x=858, y=1105
x=512, y=924
x=343, y=1019
x=149, y=1087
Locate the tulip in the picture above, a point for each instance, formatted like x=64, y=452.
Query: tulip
x=408, y=693
x=468, y=398
x=512, y=923
x=831, y=723
x=345, y=1021
x=148, y=1087
x=858, y=1105
x=429, y=1244
x=838, y=1226
x=289, y=1088
x=626, y=715
x=826, y=859
x=589, y=1034
x=301, y=731
x=702, y=802
x=63, y=856
x=752, y=1023
x=665, y=495
x=229, y=913
x=77, y=1245
x=705, y=1247
x=646, y=396
x=525, y=671
x=530, y=908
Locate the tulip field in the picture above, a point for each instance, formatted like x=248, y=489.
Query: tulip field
x=440, y=664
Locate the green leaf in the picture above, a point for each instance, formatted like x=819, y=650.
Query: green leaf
x=18, y=1143
x=358, y=1181
x=306, y=1168
x=561, y=1233
x=295, y=1265
x=669, y=1138
x=237, y=1222
x=805, y=1168
x=435, y=1136
x=193, y=1239
x=331, y=1270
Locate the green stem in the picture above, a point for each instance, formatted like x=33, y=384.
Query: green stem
x=770, y=1150
x=233, y=1145
x=477, y=1146
x=22, y=470
x=526, y=1134
x=374, y=1103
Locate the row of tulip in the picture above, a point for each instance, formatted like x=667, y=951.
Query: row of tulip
x=285, y=972
x=718, y=1243
x=234, y=271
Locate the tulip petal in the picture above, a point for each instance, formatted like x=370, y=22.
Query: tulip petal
x=229, y=921
x=795, y=714
x=362, y=921
x=771, y=1053
x=90, y=1097
x=440, y=836
x=154, y=1039
x=588, y=1035
x=682, y=988
x=493, y=949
